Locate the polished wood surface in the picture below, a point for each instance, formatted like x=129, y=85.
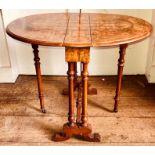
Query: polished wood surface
x=87, y=30
x=121, y=62
x=73, y=54
x=85, y=93
x=110, y=29
x=71, y=74
x=43, y=29
x=39, y=79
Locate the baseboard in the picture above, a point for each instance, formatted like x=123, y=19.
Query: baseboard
x=7, y=75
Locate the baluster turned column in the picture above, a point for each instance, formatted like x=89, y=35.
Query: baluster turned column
x=75, y=76
x=119, y=75
x=39, y=79
x=71, y=74
x=85, y=93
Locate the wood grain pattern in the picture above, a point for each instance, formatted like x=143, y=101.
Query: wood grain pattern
x=111, y=29
x=78, y=31
x=41, y=29
x=77, y=54
x=92, y=29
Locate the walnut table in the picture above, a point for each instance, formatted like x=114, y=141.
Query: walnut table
x=77, y=33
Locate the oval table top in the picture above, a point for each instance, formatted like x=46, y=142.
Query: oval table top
x=73, y=30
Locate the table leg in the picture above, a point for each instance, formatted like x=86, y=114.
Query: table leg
x=65, y=91
x=85, y=93
x=75, y=76
x=71, y=74
x=88, y=136
x=79, y=103
x=39, y=79
x=119, y=75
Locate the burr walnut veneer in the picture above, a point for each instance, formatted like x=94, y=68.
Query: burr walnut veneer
x=77, y=33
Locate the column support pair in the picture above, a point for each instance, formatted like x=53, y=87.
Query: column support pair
x=71, y=78
x=77, y=125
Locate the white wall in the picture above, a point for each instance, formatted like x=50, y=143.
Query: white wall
x=103, y=61
x=150, y=67
x=4, y=55
x=8, y=67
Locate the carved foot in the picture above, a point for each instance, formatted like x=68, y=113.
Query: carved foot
x=95, y=137
x=79, y=131
x=58, y=137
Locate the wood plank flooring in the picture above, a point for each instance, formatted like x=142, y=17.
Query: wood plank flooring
x=22, y=123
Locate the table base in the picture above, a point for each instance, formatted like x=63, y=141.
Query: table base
x=81, y=132
x=74, y=55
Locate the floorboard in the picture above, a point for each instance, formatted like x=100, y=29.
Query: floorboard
x=22, y=123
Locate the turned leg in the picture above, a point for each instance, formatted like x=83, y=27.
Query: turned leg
x=39, y=80
x=119, y=75
x=75, y=76
x=79, y=103
x=71, y=73
x=91, y=91
x=85, y=93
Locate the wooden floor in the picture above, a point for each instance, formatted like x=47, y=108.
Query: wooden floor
x=22, y=123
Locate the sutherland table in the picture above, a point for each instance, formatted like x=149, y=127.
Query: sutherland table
x=77, y=33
